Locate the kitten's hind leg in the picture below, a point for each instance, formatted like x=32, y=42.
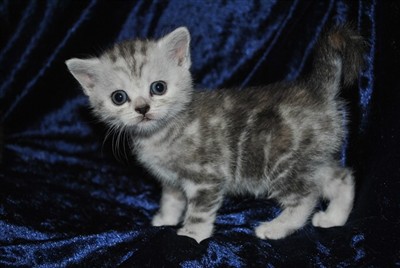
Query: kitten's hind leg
x=172, y=205
x=338, y=188
x=292, y=218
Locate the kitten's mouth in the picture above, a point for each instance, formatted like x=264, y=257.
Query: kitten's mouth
x=145, y=119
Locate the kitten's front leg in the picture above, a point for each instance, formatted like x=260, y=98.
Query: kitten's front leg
x=172, y=205
x=203, y=202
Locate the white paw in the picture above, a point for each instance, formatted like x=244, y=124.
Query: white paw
x=198, y=235
x=160, y=220
x=271, y=230
x=324, y=220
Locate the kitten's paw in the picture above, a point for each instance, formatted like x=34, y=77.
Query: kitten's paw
x=161, y=220
x=198, y=235
x=271, y=230
x=325, y=220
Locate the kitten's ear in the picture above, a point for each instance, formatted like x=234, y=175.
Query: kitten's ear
x=87, y=72
x=177, y=45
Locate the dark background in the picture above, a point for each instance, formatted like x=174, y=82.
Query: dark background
x=66, y=200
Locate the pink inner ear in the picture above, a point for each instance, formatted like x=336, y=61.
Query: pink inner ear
x=87, y=79
x=180, y=51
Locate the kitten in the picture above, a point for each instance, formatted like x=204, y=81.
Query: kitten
x=278, y=141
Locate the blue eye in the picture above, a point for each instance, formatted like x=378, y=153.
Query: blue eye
x=158, y=88
x=119, y=97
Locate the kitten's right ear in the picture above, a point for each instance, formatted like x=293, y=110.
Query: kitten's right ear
x=177, y=45
x=86, y=71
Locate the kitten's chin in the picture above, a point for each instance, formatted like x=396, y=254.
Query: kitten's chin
x=146, y=126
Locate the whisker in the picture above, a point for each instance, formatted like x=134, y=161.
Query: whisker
x=120, y=137
x=125, y=138
x=110, y=130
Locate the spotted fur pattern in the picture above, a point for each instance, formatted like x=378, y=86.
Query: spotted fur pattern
x=278, y=141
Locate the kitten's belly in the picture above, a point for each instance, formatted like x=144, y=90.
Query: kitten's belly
x=248, y=186
x=172, y=166
x=169, y=173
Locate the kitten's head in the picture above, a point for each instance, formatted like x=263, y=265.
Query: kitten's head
x=138, y=84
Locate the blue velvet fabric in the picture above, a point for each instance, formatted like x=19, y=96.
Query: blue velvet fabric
x=66, y=201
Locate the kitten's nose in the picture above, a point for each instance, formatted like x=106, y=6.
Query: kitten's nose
x=143, y=109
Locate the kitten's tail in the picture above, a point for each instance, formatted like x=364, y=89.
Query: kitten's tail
x=338, y=60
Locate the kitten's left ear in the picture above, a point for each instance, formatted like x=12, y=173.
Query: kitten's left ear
x=177, y=45
x=88, y=72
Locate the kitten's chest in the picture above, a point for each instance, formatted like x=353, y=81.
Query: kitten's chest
x=159, y=159
x=192, y=152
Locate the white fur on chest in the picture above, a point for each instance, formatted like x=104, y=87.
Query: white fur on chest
x=160, y=155
x=157, y=157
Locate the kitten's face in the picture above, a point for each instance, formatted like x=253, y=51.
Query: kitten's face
x=138, y=84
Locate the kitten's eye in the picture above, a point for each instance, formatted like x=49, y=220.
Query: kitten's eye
x=158, y=88
x=119, y=97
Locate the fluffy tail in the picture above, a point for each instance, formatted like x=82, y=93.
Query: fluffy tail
x=338, y=60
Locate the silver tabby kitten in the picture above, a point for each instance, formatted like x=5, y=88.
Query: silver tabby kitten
x=278, y=141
